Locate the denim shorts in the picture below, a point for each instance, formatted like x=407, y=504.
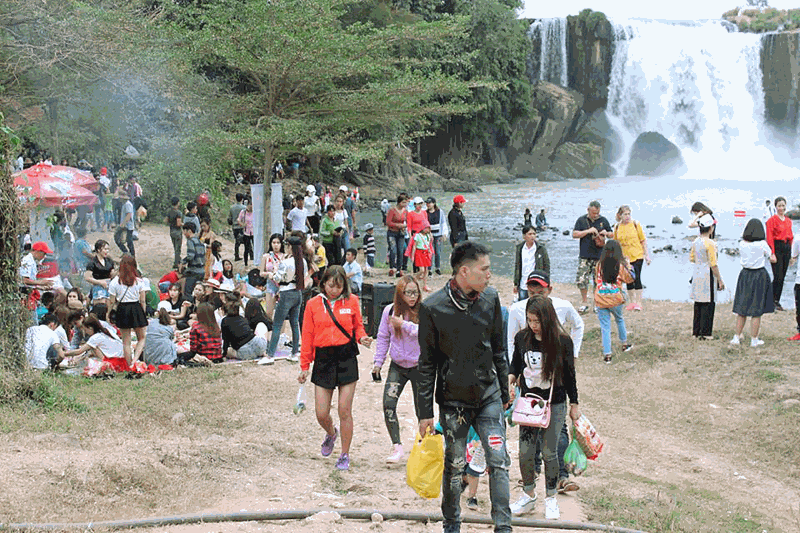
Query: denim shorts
x=255, y=348
x=99, y=292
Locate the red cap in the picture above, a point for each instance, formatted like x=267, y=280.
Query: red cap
x=459, y=199
x=40, y=246
x=103, y=171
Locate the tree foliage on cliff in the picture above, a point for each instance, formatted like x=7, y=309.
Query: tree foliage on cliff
x=292, y=77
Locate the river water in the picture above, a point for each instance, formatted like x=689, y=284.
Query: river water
x=494, y=217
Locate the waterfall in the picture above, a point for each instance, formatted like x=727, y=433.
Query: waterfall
x=699, y=86
x=552, y=33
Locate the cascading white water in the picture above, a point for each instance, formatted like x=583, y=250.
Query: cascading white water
x=553, y=54
x=699, y=86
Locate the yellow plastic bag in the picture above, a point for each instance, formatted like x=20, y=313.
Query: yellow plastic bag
x=426, y=465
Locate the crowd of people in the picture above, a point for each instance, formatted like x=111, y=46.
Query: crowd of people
x=457, y=346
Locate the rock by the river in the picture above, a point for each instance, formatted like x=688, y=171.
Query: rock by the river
x=677, y=220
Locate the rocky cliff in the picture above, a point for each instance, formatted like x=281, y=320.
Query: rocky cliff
x=780, y=65
x=590, y=51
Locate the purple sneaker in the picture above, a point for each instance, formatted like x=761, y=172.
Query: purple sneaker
x=327, y=444
x=344, y=462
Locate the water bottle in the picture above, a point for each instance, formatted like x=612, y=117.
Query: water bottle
x=300, y=403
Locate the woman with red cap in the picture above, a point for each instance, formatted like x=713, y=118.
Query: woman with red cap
x=456, y=221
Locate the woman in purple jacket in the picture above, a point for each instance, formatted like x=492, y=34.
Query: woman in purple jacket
x=397, y=335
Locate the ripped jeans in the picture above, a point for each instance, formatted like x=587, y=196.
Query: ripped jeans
x=528, y=444
x=489, y=422
x=396, y=381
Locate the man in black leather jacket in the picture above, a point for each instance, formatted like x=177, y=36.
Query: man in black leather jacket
x=463, y=356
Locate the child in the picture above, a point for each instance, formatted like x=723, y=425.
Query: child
x=612, y=271
x=353, y=271
x=369, y=247
x=205, y=338
x=704, y=256
x=795, y=253
x=753, y=289
x=422, y=255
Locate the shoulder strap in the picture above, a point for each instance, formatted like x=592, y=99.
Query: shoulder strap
x=352, y=338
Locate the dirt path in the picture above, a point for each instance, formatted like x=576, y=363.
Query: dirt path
x=682, y=421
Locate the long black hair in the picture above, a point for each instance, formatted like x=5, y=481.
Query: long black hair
x=610, y=259
x=552, y=337
x=295, y=240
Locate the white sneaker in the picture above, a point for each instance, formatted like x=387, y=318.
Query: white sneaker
x=266, y=360
x=295, y=357
x=397, y=454
x=551, y=511
x=755, y=342
x=735, y=340
x=525, y=504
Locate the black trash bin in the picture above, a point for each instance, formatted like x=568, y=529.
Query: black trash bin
x=374, y=298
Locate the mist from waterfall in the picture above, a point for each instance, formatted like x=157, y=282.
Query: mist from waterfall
x=553, y=53
x=700, y=86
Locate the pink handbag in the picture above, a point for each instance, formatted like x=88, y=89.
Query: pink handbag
x=532, y=410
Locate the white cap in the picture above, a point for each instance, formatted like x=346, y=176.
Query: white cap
x=311, y=188
x=418, y=200
x=165, y=305
x=343, y=188
x=706, y=221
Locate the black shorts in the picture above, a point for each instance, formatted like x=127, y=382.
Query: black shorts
x=334, y=366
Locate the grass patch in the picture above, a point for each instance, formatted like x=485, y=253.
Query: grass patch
x=770, y=376
x=667, y=508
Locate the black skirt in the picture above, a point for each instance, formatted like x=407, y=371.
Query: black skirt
x=753, y=293
x=130, y=315
x=334, y=366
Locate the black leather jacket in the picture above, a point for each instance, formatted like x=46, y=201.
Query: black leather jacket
x=462, y=353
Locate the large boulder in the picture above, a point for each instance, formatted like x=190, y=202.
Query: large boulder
x=596, y=129
x=580, y=160
x=653, y=155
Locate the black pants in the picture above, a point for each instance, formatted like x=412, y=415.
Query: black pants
x=703, y=319
x=238, y=233
x=176, y=236
x=783, y=252
x=248, y=248
x=127, y=234
x=332, y=252
x=797, y=304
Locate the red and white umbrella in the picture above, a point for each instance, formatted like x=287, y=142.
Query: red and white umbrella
x=50, y=185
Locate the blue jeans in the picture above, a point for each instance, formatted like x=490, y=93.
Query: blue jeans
x=437, y=252
x=604, y=317
x=288, y=306
x=528, y=444
x=489, y=422
x=397, y=247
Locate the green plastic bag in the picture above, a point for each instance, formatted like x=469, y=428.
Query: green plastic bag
x=426, y=465
x=574, y=458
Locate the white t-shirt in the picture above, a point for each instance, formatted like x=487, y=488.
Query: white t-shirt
x=754, y=255
x=28, y=268
x=570, y=319
x=298, y=219
x=341, y=216
x=795, y=253
x=62, y=337
x=110, y=346
x=528, y=258
x=118, y=290
x=311, y=205
x=38, y=339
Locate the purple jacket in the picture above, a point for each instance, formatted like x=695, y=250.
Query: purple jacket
x=404, y=350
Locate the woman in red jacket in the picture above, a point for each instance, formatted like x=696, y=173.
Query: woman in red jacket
x=331, y=325
x=779, y=238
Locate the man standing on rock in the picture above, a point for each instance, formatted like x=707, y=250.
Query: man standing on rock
x=591, y=229
x=463, y=357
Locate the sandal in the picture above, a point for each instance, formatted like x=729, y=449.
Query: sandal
x=582, y=309
x=607, y=358
x=566, y=485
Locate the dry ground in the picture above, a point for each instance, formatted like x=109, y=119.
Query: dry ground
x=699, y=437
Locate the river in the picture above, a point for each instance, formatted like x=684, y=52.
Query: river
x=494, y=217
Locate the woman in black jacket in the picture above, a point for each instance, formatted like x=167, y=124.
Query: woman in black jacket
x=543, y=358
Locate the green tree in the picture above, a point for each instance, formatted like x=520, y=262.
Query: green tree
x=290, y=77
